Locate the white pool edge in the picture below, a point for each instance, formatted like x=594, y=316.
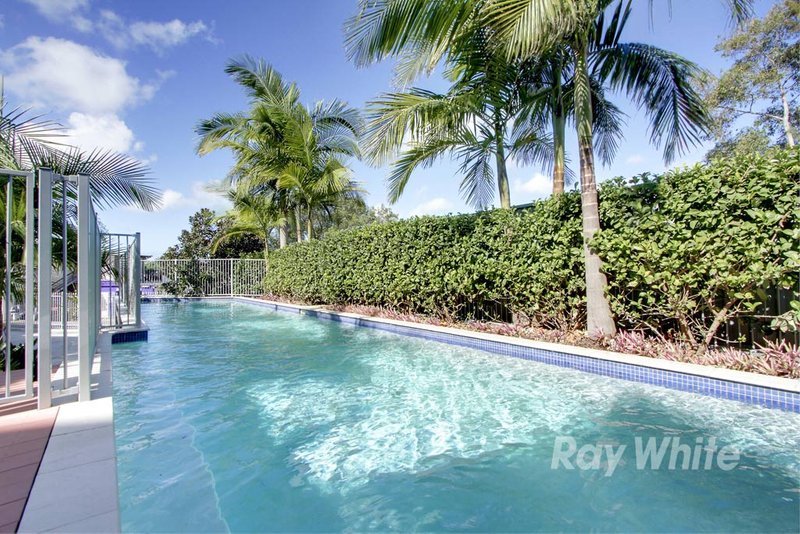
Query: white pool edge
x=718, y=373
x=75, y=489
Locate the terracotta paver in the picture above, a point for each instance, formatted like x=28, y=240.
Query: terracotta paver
x=23, y=439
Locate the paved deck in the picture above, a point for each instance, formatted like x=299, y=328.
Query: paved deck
x=23, y=439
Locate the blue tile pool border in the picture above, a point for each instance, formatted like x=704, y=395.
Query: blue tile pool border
x=128, y=337
x=714, y=387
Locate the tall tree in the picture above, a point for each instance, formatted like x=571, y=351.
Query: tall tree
x=201, y=239
x=527, y=28
x=298, y=154
x=253, y=213
x=472, y=121
x=764, y=81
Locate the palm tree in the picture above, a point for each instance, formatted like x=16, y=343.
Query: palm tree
x=317, y=188
x=253, y=212
x=296, y=152
x=525, y=28
x=472, y=121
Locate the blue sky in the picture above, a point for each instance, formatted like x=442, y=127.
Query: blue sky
x=137, y=76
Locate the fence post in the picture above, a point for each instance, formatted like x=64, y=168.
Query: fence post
x=230, y=266
x=85, y=281
x=7, y=283
x=45, y=284
x=136, y=294
x=30, y=273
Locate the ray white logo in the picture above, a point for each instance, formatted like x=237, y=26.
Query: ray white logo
x=650, y=453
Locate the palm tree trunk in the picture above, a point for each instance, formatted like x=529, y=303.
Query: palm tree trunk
x=308, y=225
x=502, y=173
x=298, y=227
x=598, y=312
x=283, y=231
x=266, y=248
x=559, y=131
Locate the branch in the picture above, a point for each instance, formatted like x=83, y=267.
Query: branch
x=748, y=112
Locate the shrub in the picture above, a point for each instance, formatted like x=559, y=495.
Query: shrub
x=528, y=261
x=683, y=252
x=699, y=245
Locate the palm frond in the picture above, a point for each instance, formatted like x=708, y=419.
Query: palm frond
x=422, y=155
x=115, y=179
x=382, y=28
x=477, y=186
x=394, y=117
x=660, y=82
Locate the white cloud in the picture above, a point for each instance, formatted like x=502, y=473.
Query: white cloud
x=70, y=77
x=58, y=9
x=101, y=131
x=539, y=186
x=121, y=33
x=171, y=198
x=157, y=35
x=82, y=24
x=634, y=159
x=93, y=89
x=199, y=196
x=435, y=206
x=64, y=10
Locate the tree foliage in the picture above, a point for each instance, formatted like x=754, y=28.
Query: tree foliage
x=762, y=84
x=205, y=228
x=291, y=154
x=700, y=244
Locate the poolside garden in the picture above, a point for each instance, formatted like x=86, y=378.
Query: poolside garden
x=699, y=264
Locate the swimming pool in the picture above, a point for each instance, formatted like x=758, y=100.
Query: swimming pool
x=234, y=417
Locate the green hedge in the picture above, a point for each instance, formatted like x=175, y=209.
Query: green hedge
x=708, y=231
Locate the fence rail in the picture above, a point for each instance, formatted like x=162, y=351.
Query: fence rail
x=214, y=277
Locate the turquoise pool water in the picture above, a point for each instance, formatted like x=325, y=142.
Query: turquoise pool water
x=235, y=418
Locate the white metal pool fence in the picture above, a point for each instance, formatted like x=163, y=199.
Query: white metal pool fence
x=119, y=288
x=37, y=243
x=208, y=277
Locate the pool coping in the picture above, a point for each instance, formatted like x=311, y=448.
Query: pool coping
x=75, y=489
x=753, y=388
